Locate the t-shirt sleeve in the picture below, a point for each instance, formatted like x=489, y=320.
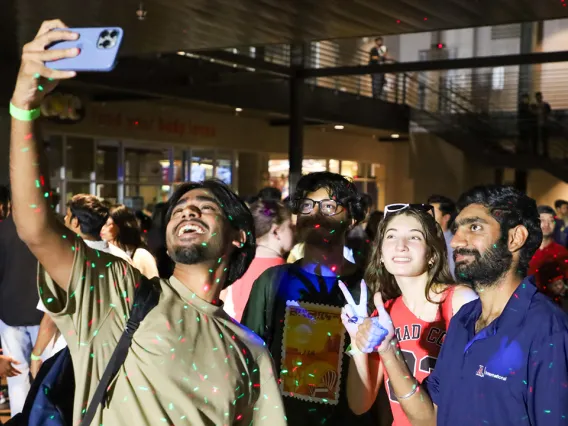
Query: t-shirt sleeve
x=547, y=393
x=257, y=309
x=269, y=407
x=100, y=293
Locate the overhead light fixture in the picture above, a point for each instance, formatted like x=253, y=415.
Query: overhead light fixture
x=238, y=109
x=395, y=136
x=339, y=127
x=181, y=53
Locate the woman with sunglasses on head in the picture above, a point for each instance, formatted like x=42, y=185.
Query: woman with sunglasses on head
x=123, y=231
x=409, y=270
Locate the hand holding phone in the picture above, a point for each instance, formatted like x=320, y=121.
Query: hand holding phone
x=35, y=80
x=98, y=49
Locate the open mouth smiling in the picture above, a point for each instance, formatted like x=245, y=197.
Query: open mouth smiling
x=191, y=229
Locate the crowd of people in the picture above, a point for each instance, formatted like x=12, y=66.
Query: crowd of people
x=314, y=310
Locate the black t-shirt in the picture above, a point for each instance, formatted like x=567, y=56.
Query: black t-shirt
x=297, y=314
x=18, y=279
x=375, y=53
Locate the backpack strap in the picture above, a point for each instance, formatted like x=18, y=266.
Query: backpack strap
x=146, y=297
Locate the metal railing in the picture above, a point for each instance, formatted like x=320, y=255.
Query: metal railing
x=478, y=105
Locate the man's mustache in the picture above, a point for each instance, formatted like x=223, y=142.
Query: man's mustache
x=466, y=252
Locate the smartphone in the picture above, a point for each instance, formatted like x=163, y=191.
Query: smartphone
x=98, y=50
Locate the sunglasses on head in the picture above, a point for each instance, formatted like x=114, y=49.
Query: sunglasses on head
x=395, y=208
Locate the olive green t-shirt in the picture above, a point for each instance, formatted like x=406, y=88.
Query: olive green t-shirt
x=189, y=363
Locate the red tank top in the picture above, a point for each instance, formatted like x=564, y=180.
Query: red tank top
x=419, y=341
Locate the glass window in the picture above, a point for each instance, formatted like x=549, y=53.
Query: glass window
x=334, y=166
x=80, y=158
x=224, y=169
x=74, y=188
x=54, y=153
x=138, y=197
x=201, y=164
x=311, y=165
x=146, y=166
x=107, y=161
x=108, y=191
x=349, y=168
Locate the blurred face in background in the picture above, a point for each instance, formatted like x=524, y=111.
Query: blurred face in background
x=109, y=232
x=547, y=223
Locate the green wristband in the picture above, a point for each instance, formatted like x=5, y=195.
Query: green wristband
x=23, y=114
x=35, y=357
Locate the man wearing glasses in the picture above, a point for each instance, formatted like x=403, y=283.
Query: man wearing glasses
x=296, y=307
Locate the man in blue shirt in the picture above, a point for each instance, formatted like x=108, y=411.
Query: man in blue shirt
x=505, y=357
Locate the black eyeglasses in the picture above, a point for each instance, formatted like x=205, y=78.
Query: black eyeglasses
x=394, y=208
x=326, y=207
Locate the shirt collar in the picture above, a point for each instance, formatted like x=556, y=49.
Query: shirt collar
x=193, y=299
x=515, y=309
x=100, y=245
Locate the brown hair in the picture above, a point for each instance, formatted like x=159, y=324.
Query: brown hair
x=267, y=213
x=379, y=279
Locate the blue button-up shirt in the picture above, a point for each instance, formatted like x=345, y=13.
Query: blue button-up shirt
x=513, y=372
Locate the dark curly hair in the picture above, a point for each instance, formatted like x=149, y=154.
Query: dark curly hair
x=339, y=188
x=239, y=218
x=510, y=207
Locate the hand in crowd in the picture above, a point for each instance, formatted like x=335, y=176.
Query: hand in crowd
x=353, y=314
x=35, y=80
x=7, y=368
x=375, y=333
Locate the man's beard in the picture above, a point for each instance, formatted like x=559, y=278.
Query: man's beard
x=486, y=269
x=190, y=255
x=319, y=230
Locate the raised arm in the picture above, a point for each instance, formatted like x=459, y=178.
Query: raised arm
x=35, y=222
x=377, y=334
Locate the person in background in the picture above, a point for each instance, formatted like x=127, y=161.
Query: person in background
x=409, y=267
x=86, y=216
x=19, y=317
x=157, y=241
x=296, y=308
x=144, y=219
x=561, y=225
x=525, y=123
x=542, y=110
x=121, y=230
x=274, y=237
x=357, y=240
x=445, y=210
x=549, y=263
x=377, y=56
x=270, y=194
x=372, y=228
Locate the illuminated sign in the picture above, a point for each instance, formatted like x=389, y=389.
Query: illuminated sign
x=63, y=108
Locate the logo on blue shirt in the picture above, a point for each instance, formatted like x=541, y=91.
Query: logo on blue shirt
x=482, y=372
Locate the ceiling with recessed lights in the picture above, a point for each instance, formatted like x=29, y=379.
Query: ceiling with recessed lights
x=169, y=26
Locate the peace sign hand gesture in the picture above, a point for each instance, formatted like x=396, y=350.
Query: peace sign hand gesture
x=353, y=314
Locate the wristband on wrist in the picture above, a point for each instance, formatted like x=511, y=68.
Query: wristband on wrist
x=24, y=114
x=35, y=357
